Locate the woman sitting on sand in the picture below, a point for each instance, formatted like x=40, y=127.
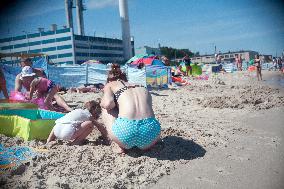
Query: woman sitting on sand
x=78, y=124
x=43, y=87
x=127, y=113
x=19, y=83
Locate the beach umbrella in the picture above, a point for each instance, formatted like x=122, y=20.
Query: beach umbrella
x=139, y=56
x=149, y=61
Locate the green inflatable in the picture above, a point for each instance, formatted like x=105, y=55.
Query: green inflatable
x=251, y=62
x=196, y=70
x=28, y=124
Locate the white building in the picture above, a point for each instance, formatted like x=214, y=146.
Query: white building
x=225, y=57
x=62, y=46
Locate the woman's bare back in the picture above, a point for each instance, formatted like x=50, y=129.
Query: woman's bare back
x=135, y=102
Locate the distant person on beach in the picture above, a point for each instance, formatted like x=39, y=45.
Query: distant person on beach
x=274, y=63
x=258, y=67
x=218, y=58
x=86, y=89
x=238, y=60
x=128, y=114
x=39, y=73
x=3, y=87
x=178, y=71
x=165, y=60
x=187, y=62
x=78, y=124
x=279, y=63
x=44, y=87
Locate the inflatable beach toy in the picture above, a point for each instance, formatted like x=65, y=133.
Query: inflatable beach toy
x=17, y=96
x=20, y=97
x=196, y=70
x=28, y=124
x=10, y=104
x=180, y=80
x=251, y=68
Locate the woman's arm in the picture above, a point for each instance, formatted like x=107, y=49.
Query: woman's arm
x=107, y=101
x=18, y=83
x=33, y=87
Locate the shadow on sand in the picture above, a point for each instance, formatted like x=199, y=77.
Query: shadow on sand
x=172, y=148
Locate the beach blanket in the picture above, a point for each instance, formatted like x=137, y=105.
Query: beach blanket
x=12, y=157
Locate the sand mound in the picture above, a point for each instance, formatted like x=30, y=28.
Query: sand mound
x=252, y=97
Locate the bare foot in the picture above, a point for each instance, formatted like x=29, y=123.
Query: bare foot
x=118, y=150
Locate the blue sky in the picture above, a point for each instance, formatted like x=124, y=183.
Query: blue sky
x=194, y=24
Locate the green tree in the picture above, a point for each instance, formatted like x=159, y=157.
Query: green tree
x=173, y=53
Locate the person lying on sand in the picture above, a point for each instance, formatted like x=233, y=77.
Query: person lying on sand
x=78, y=124
x=86, y=89
x=134, y=124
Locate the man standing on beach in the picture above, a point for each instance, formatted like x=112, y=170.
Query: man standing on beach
x=187, y=62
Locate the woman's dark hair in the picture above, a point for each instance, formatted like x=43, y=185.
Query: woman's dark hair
x=116, y=74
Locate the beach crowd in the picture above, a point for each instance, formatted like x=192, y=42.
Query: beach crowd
x=128, y=119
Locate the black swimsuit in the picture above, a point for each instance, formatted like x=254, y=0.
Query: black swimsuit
x=120, y=91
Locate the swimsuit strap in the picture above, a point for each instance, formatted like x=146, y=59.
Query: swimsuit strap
x=120, y=91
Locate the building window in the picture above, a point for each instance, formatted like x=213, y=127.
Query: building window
x=63, y=30
x=49, y=49
x=6, y=40
x=19, y=37
x=34, y=43
x=64, y=47
x=35, y=51
x=48, y=41
x=20, y=45
x=63, y=39
x=47, y=33
x=52, y=56
x=66, y=62
x=33, y=35
x=7, y=47
x=64, y=55
x=82, y=54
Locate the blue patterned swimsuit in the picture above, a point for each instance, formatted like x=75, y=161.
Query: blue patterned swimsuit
x=140, y=133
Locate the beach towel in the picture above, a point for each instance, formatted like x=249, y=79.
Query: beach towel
x=12, y=157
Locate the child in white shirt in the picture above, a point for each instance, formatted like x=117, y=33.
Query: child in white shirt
x=78, y=124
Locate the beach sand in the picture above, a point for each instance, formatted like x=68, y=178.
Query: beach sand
x=226, y=132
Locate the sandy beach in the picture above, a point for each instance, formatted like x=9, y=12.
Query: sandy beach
x=226, y=132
